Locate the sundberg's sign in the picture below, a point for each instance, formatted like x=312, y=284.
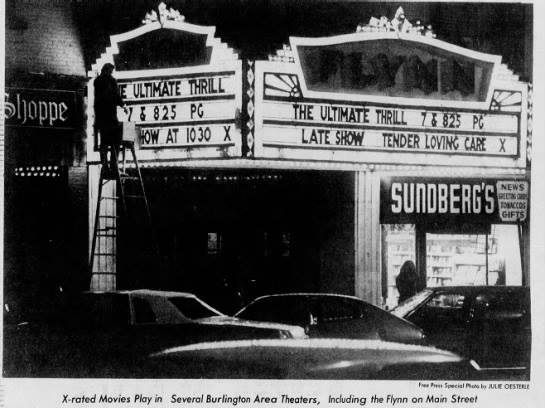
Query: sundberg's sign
x=453, y=201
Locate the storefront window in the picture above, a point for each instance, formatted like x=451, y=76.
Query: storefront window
x=460, y=259
x=509, y=251
x=453, y=259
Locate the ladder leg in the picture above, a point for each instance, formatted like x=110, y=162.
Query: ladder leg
x=146, y=204
x=123, y=157
x=115, y=169
x=148, y=213
x=97, y=220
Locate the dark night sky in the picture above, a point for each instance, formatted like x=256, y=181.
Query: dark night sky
x=256, y=28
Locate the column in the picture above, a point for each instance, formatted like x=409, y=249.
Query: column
x=367, y=237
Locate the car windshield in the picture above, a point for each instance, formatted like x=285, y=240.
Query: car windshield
x=282, y=309
x=405, y=307
x=193, y=308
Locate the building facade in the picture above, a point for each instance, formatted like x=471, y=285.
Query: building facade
x=45, y=176
x=283, y=146
x=288, y=173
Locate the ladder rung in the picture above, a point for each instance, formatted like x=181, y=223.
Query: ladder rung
x=105, y=254
x=106, y=235
x=103, y=273
x=106, y=229
x=133, y=196
x=109, y=198
x=109, y=216
x=123, y=178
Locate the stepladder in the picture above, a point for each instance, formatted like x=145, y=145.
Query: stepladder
x=122, y=218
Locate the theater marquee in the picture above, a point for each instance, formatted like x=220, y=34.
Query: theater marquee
x=184, y=94
x=390, y=96
x=385, y=128
x=184, y=111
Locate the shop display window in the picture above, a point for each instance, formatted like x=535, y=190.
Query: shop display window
x=468, y=259
x=454, y=259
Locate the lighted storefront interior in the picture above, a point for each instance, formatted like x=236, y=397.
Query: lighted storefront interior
x=454, y=259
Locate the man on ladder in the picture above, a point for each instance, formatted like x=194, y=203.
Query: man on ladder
x=107, y=99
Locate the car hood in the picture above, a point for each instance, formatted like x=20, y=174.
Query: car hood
x=316, y=359
x=296, y=331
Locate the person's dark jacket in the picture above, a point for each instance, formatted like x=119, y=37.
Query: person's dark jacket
x=107, y=99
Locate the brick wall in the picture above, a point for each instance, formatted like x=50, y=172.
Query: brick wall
x=41, y=37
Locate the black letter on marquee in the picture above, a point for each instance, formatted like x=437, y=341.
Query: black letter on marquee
x=227, y=129
x=65, y=398
x=502, y=147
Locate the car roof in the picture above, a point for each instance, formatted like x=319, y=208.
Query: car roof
x=309, y=294
x=145, y=292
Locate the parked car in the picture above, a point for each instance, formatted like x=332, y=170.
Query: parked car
x=489, y=324
x=332, y=316
x=102, y=334
x=338, y=359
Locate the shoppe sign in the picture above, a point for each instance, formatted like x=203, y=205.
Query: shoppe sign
x=183, y=93
x=40, y=108
x=446, y=201
x=389, y=94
